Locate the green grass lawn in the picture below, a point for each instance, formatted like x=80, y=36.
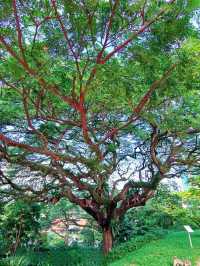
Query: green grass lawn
x=161, y=252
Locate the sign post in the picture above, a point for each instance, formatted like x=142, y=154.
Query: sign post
x=189, y=230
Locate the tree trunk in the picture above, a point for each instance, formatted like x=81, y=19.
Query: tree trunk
x=107, y=240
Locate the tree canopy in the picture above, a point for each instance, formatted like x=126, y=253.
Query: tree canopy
x=99, y=101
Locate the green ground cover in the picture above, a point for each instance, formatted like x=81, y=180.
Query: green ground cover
x=155, y=253
x=161, y=252
x=60, y=256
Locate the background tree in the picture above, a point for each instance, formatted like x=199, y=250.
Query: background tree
x=167, y=210
x=100, y=101
x=71, y=218
x=19, y=225
x=193, y=189
x=191, y=197
x=160, y=213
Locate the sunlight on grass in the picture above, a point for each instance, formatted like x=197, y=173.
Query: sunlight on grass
x=161, y=252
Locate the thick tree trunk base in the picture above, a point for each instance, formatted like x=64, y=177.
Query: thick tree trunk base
x=107, y=240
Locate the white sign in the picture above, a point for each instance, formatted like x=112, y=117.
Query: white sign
x=188, y=229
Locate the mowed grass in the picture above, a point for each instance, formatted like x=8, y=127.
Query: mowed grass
x=161, y=252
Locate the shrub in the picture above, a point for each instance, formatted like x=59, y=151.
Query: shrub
x=60, y=256
x=19, y=224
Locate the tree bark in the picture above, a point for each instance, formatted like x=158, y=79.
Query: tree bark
x=107, y=240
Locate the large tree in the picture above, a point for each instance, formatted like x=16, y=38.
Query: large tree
x=99, y=101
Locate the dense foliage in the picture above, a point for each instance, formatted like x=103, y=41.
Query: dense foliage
x=167, y=210
x=19, y=226
x=100, y=101
x=138, y=228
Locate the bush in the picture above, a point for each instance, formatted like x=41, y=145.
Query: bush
x=60, y=256
x=141, y=221
x=19, y=225
x=164, y=211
